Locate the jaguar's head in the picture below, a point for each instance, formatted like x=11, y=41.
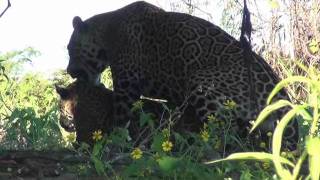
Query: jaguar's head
x=85, y=108
x=67, y=106
x=88, y=58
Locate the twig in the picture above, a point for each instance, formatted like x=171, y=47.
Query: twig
x=153, y=99
x=8, y=6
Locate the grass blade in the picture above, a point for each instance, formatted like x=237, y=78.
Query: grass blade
x=268, y=110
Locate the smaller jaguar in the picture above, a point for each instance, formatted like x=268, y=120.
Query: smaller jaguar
x=76, y=115
x=86, y=108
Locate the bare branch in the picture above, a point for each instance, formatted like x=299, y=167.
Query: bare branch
x=8, y=6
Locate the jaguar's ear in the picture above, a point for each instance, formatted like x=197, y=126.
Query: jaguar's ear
x=63, y=92
x=78, y=24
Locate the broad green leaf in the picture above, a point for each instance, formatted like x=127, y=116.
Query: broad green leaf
x=268, y=110
x=167, y=163
x=261, y=156
x=145, y=118
x=119, y=136
x=314, y=167
x=157, y=142
x=313, y=146
x=246, y=175
x=97, y=149
x=285, y=82
x=277, y=139
x=305, y=114
x=135, y=168
x=299, y=164
x=99, y=166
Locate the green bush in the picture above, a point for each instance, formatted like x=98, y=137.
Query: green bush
x=28, y=105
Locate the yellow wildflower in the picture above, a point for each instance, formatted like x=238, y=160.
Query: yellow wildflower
x=137, y=105
x=204, y=135
x=229, y=104
x=136, y=153
x=167, y=146
x=211, y=118
x=71, y=137
x=97, y=135
x=266, y=165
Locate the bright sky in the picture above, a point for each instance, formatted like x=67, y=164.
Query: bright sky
x=47, y=26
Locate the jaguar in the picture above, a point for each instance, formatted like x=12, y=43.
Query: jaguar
x=174, y=56
x=76, y=116
x=85, y=108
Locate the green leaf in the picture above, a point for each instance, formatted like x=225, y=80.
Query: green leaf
x=119, y=136
x=268, y=110
x=314, y=167
x=99, y=166
x=167, y=163
x=137, y=106
x=84, y=146
x=133, y=169
x=261, y=156
x=246, y=175
x=157, y=143
x=313, y=146
x=305, y=114
x=145, y=118
x=285, y=82
x=299, y=164
x=277, y=139
x=97, y=149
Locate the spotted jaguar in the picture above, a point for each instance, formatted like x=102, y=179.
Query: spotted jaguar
x=174, y=56
x=86, y=108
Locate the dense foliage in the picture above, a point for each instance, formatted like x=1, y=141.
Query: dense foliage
x=28, y=112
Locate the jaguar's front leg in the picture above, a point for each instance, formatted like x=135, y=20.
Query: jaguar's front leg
x=123, y=101
x=126, y=91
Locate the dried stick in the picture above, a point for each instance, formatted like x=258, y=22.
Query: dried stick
x=8, y=6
